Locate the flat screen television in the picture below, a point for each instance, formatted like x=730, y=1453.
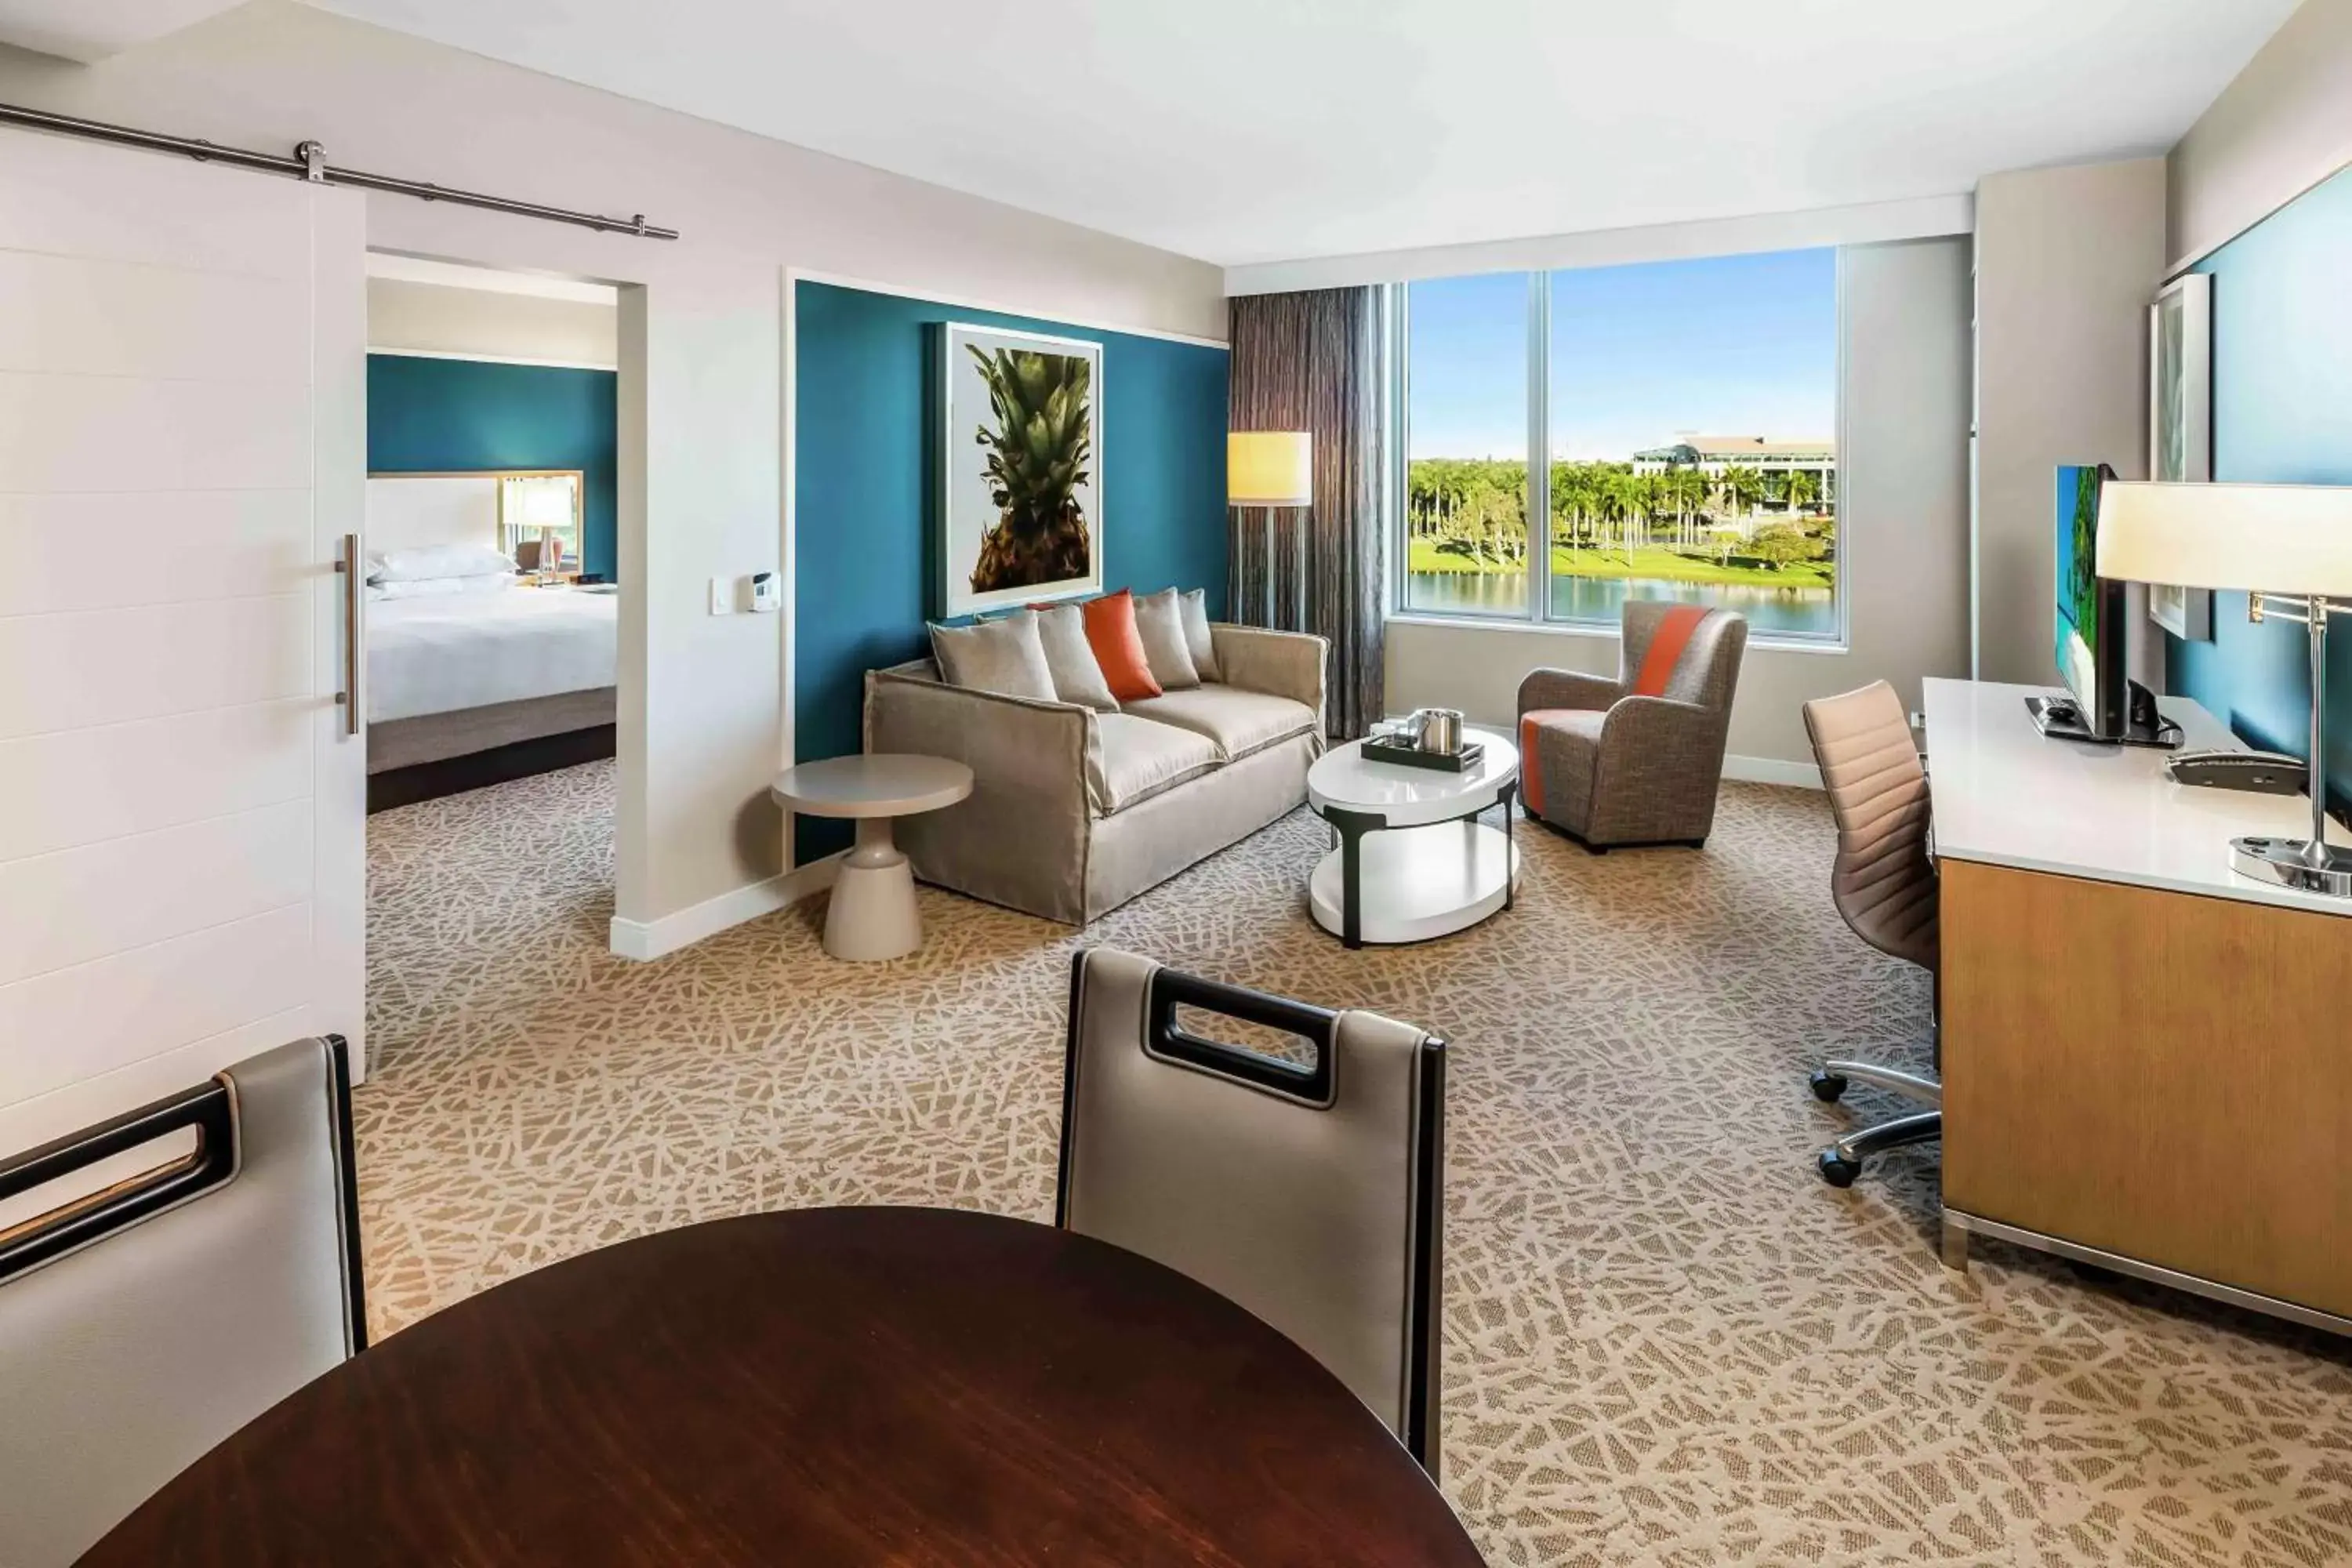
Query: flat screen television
x=2090, y=618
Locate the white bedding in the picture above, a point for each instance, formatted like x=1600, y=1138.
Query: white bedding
x=441, y=653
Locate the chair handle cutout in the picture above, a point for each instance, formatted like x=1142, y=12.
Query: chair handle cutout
x=1166, y=1038
x=210, y=1109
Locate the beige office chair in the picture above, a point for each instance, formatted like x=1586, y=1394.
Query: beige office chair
x=1882, y=883
x=1313, y=1195
x=144, y=1322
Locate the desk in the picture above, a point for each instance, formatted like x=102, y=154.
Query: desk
x=2147, y=1057
x=840, y=1387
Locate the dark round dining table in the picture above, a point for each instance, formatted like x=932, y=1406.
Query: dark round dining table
x=817, y=1387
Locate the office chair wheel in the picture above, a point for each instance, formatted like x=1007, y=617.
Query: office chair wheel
x=1838, y=1171
x=1827, y=1087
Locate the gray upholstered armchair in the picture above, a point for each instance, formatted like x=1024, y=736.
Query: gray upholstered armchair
x=1635, y=761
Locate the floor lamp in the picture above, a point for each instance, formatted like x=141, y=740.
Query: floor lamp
x=2290, y=548
x=1273, y=468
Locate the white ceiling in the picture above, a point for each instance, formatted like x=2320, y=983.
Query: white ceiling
x=1241, y=130
x=90, y=30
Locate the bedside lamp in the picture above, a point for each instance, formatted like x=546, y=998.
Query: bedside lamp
x=2275, y=542
x=1272, y=468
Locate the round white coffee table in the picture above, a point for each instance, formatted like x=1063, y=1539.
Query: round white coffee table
x=1413, y=860
x=873, y=913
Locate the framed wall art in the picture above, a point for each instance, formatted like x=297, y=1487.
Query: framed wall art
x=1021, y=465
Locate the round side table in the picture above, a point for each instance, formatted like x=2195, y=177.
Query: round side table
x=873, y=914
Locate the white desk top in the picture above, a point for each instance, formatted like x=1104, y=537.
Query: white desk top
x=2006, y=795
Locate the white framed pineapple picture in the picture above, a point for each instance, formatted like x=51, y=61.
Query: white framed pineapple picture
x=1020, y=467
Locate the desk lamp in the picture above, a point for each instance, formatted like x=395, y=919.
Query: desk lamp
x=2289, y=547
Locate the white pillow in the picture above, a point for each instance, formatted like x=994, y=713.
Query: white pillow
x=1003, y=655
x=440, y=588
x=1070, y=659
x=438, y=561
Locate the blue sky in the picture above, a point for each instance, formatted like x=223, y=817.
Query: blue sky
x=1733, y=345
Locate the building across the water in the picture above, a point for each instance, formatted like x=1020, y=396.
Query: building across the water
x=1711, y=455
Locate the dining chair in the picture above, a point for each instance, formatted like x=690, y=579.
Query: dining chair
x=1310, y=1191
x=188, y=1264
x=1884, y=883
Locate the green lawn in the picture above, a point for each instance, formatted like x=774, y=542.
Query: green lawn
x=1649, y=561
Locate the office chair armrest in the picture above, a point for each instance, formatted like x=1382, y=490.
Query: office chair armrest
x=1567, y=689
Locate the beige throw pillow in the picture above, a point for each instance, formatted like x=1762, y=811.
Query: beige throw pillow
x=1194, y=606
x=1003, y=656
x=1070, y=658
x=1161, y=624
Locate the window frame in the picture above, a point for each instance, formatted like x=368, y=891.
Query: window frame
x=1536, y=616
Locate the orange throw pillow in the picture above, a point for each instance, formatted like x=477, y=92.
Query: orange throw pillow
x=1118, y=647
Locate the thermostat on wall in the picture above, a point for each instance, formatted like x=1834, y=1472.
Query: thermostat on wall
x=766, y=593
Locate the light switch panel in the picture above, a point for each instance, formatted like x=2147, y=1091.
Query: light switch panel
x=722, y=596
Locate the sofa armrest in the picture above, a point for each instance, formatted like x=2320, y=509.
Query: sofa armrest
x=1567, y=689
x=1280, y=664
x=1044, y=744
x=1029, y=760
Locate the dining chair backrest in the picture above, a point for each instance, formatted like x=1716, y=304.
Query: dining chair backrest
x=1309, y=1192
x=160, y=1306
x=1883, y=881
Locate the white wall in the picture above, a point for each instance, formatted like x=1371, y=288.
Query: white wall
x=2282, y=127
x=707, y=711
x=2067, y=261
x=435, y=319
x=1903, y=525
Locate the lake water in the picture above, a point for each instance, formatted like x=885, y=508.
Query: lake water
x=1811, y=611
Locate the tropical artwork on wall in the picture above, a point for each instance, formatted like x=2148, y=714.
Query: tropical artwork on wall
x=2181, y=425
x=1021, y=518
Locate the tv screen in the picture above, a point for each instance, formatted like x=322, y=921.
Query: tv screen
x=2089, y=622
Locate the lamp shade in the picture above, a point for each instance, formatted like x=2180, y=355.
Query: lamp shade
x=2273, y=539
x=1269, y=468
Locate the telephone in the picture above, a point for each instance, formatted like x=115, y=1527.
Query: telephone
x=2265, y=773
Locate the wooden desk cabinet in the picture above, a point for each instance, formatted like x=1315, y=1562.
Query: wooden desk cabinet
x=2159, y=1075
x=2147, y=1062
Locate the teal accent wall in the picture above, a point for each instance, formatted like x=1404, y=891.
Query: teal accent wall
x=425, y=416
x=867, y=491
x=2282, y=414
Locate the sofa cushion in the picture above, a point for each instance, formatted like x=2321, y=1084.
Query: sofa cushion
x=1003, y=656
x=1238, y=720
x=1136, y=758
x=1159, y=622
x=1118, y=648
x=1070, y=659
x=1192, y=607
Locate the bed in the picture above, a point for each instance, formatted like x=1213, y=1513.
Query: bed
x=485, y=665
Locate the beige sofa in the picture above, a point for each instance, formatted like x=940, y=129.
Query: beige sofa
x=1073, y=812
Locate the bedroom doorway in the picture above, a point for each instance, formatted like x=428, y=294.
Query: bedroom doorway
x=493, y=585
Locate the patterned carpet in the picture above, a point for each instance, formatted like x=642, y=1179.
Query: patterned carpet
x=1666, y=1341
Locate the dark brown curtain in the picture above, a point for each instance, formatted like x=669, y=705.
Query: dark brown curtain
x=1312, y=362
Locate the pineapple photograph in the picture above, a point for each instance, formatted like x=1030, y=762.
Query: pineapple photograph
x=1022, y=436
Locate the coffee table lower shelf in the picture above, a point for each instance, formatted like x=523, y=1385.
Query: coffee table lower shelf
x=1417, y=883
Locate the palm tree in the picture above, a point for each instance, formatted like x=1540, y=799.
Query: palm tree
x=1744, y=489
x=1690, y=498
x=1800, y=489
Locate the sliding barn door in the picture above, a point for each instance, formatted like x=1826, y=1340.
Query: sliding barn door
x=181, y=448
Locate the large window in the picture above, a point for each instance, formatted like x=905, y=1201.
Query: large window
x=1687, y=416
x=1466, y=540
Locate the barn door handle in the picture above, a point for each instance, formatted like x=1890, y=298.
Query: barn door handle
x=349, y=697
